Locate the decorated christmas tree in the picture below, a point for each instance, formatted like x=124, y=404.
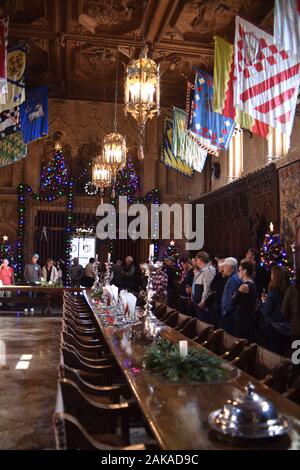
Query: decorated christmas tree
x=6, y=251
x=127, y=182
x=172, y=251
x=273, y=252
x=54, y=175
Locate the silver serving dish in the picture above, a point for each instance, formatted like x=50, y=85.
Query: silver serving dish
x=250, y=416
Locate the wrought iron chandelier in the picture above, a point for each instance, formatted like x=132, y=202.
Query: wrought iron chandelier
x=142, y=92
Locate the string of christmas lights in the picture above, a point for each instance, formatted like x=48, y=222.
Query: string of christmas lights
x=274, y=254
x=127, y=181
x=6, y=251
x=53, y=187
x=172, y=251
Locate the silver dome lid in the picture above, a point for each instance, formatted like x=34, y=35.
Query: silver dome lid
x=249, y=416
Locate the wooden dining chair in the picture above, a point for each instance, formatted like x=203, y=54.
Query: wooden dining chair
x=71, y=359
x=80, y=330
x=108, y=420
x=201, y=332
x=112, y=392
x=269, y=368
x=103, y=360
x=86, y=350
x=172, y=319
x=86, y=340
x=225, y=345
x=181, y=321
x=71, y=435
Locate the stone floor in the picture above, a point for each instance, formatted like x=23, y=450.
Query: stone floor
x=27, y=397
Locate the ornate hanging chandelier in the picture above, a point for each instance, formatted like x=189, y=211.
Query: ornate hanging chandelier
x=142, y=92
x=114, y=152
x=114, y=144
x=101, y=175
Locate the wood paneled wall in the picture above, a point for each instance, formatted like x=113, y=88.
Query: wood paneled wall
x=237, y=216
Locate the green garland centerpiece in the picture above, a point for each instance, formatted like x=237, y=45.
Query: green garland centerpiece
x=163, y=357
x=45, y=283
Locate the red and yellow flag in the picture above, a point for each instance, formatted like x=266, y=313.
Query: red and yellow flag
x=223, y=102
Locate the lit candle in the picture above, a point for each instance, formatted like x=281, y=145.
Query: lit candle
x=271, y=227
x=109, y=257
x=183, y=348
x=151, y=251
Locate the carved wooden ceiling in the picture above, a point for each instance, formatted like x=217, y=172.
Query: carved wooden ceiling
x=73, y=43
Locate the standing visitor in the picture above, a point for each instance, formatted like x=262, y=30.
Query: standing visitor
x=76, y=273
x=244, y=302
x=202, y=285
x=128, y=275
x=291, y=307
x=232, y=286
x=186, y=282
x=7, y=277
x=89, y=272
x=261, y=276
x=271, y=308
x=217, y=287
x=32, y=276
x=171, y=274
x=49, y=272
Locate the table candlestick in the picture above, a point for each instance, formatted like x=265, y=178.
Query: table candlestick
x=183, y=349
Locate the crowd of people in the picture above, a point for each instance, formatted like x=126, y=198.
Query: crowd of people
x=242, y=298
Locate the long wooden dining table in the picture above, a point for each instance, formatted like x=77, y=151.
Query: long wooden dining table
x=177, y=413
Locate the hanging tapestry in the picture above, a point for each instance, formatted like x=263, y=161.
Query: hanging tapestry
x=34, y=114
x=12, y=149
x=213, y=129
x=16, y=65
x=184, y=146
x=167, y=155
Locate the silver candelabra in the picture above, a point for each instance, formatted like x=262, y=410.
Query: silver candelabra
x=97, y=284
x=151, y=269
x=108, y=271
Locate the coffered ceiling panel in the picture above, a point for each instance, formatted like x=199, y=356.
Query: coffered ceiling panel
x=74, y=44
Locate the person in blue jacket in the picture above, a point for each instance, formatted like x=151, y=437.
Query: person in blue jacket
x=232, y=286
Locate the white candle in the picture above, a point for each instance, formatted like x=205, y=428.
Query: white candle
x=151, y=251
x=96, y=257
x=183, y=348
x=271, y=227
x=109, y=256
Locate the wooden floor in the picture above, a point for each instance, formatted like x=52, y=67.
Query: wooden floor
x=27, y=397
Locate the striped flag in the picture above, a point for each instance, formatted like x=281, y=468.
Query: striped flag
x=223, y=102
x=267, y=78
x=3, y=55
x=287, y=25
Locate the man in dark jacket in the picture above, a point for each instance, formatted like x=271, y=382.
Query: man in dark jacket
x=172, y=285
x=32, y=276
